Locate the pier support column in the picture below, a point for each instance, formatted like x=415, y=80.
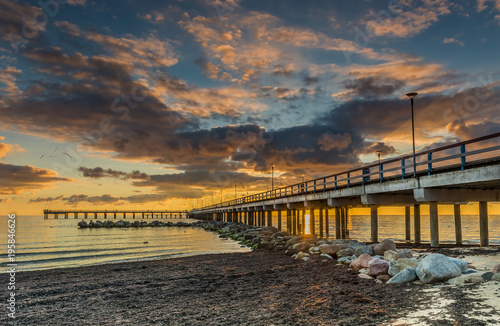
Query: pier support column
x=321, y=222
x=294, y=222
x=407, y=224
x=65, y=216
x=337, y=223
x=300, y=225
x=269, y=218
x=416, y=222
x=434, y=223
x=85, y=215
x=124, y=215
x=303, y=221
x=483, y=223
x=342, y=222
x=279, y=219
x=289, y=220
x=114, y=215
x=327, y=223
x=312, y=221
x=374, y=223
x=346, y=222
x=458, y=224
x=133, y=215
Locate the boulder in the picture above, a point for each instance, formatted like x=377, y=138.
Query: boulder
x=301, y=255
x=436, y=268
x=344, y=260
x=363, y=250
x=368, y=277
x=391, y=255
x=378, y=267
x=404, y=263
x=360, y=262
x=346, y=252
x=301, y=246
x=326, y=256
x=331, y=249
x=460, y=263
x=473, y=278
x=119, y=224
x=405, y=253
x=496, y=269
x=83, y=224
x=383, y=246
x=496, y=277
x=487, y=276
x=405, y=276
x=364, y=271
x=393, y=268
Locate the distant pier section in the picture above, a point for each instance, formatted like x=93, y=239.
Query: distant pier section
x=108, y=214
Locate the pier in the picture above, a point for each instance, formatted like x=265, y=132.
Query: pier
x=456, y=174
x=107, y=214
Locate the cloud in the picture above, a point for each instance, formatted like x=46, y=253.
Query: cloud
x=68, y=27
x=12, y=25
x=372, y=87
x=98, y=172
x=101, y=199
x=17, y=179
x=381, y=147
x=329, y=141
x=453, y=40
x=7, y=149
x=399, y=23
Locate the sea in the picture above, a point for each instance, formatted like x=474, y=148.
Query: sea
x=59, y=243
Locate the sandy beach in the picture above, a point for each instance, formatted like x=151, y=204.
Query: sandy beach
x=257, y=288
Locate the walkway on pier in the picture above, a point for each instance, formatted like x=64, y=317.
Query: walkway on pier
x=454, y=174
x=104, y=213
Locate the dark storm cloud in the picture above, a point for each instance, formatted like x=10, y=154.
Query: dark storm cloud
x=16, y=179
x=381, y=147
x=371, y=87
x=98, y=172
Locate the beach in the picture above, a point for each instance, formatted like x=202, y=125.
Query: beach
x=256, y=288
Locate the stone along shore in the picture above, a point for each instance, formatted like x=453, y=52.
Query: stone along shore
x=382, y=261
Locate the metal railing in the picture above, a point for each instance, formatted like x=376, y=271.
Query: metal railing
x=454, y=156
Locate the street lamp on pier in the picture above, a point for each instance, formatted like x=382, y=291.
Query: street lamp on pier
x=272, y=177
x=411, y=96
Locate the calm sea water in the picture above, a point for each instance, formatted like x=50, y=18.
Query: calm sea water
x=46, y=244
x=51, y=243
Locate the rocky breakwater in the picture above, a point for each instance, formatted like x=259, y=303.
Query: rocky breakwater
x=128, y=224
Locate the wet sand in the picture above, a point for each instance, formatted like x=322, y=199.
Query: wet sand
x=256, y=288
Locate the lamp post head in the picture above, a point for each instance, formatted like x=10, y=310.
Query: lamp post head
x=411, y=95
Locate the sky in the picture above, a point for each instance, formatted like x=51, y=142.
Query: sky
x=149, y=104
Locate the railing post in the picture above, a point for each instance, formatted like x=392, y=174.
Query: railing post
x=314, y=185
x=348, y=179
x=335, y=182
x=429, y=163
x=403, y=170
x=324, y=183
x=463, y=157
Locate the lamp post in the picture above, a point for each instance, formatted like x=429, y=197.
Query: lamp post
x=272, y=177
x=235, y=191
x=411, y=96
x=378, y=155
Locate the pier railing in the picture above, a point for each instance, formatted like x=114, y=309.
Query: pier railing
x=457, y=156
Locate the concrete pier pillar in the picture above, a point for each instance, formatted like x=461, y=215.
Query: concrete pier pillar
x=337, y=223
x=342, y=222
x=124, y=215
x=143, y=215
x=269, y=218
x=458, y=224
x=133, y=215
x=45, y=216
x=321, y=222
x=483, y=223
x=327, y=223
x=95, y=215
x=114, y=215
x=65, y=216
x=289, y=220
x=312, y=221
x=76, y=215
x=407, y=224
x=434, y=223
x=279, y=220
x=374, y=223
x=85, y=215
x=303, y=217
x=416, y=223
x=346, y=222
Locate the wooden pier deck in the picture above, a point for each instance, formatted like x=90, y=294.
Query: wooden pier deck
x=116, y=213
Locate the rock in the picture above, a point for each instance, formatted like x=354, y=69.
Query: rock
x=305, y=258
x=384, y=278
x=456, y=281
x=405, y=253
x=119, y=224
x=496, y=269
x=368, y=277
x=474, y=278
x=344, y=260
x=460, y=263
x=314, y=250
x=496, y=277
x=436, y=268
x=378, y=267
x=331, y=249
x=404, y=263
x=487, y=276
x=301, y=255
x=364, y=271
x=327, y=256
x=383, y=246
x=391, y=255
x=393, y=268
x=301, y=246
x=83, y=224
x=360, y=262
x=346, y=252
x=405, y=276
x=363, y=250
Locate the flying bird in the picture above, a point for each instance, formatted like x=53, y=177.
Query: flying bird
x=67, y=154
x=42, y=156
